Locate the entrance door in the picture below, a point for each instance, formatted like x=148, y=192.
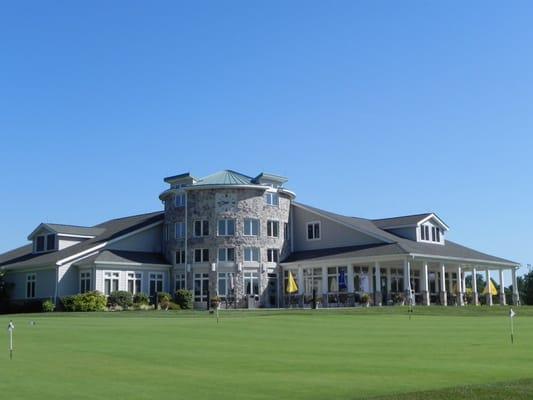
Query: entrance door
x=272, y=291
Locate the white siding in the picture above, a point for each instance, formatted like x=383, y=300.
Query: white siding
x=148, y=241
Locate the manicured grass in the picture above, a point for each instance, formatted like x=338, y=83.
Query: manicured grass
x=324, y=354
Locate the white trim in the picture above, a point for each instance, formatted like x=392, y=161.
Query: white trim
x=319, y=230
x=75, y=236
x=386, y=240
x=433, y=216
x=465, y=260
x=132, y=264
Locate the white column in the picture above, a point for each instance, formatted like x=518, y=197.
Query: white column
x=516, y=297
x=389, y=284
x=474, y=287
x=407, y=280
x=425, y=284
x=460, y=298
x=488, y=295
x=443, y=295
x=378, y=296
x=503, y=301
x=301, y=285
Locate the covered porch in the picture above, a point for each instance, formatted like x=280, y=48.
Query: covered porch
x=397, y=281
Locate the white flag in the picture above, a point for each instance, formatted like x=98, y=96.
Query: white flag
x=511, y=313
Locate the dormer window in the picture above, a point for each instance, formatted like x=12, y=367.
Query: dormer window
x=425, y=234
x=45, y=243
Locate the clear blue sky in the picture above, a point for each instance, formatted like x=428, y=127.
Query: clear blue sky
x=371, y=108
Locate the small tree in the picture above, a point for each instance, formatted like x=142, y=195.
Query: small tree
x=48, y=306
x=184, y=299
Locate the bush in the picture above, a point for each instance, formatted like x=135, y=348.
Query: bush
x=48, y=306
x=215, y=301
x=173, y=306
x=120, y=298
x=89, y=301
x=141, y=298
x=163, y=299
x=183, y=298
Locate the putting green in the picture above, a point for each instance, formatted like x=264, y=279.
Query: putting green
x=324, y=354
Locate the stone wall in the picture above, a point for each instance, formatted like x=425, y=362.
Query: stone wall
x=230, y=203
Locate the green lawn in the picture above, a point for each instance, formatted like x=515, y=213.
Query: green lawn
x=326, y=354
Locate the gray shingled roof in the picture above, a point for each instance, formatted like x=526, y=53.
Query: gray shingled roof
x=125, y=257
x=407, y=220
x=448, y=250
x=75, y=230
x=23, y=257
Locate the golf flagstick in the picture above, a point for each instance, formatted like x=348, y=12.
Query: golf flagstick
x=511, y=317
x=10, y=328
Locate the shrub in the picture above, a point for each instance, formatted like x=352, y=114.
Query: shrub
x=215, y=301
x=48, y=306
x=141, y=298
x=184, y=299
x=365, y=298
x=173, y=306
x=163, y=299
x=120, y=298
x=89, y=301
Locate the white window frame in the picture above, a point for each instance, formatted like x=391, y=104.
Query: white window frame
x=84, y=277
x=181, y=278
x=269, y=199
x=253, y=277
x=179, y=200
x=112, y=278
x=203, y=260
x=156, y=276
x=251, y=250
x=225, y=233
x=250, y=222
x=226, y=251
x=200, y=277
x=271, y=223
x=270, y=254
x=202, y=226
x=179, y=230
x=182, y=256
x=36, y=250
x=31, y=282
x=319, y=223
x=137, y=275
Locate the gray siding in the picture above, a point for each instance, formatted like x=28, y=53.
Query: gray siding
x=407, y=233
x=333, y=234
x=148, y=240
x=44, y=285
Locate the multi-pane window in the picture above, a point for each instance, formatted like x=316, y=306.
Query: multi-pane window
x=226, y=254
x=226, y=227
x=111, y=280
x=273, y=255
x=337, y=279
x=396, y=282
x=156, y=283
x=85, y=282
x=273, y=228
x=433, y=233
x=201, y=255
x=134, y=282
x=201, y=287
x=422, y=233
x=313, y=230
x=361, y=279
x=179, y=200
x=251, y=254
x=251, y=282
x=180, y=257
x=201, y=228
x=179, y=230
x=251, y=227
x=225, y=284
x=272, y=199
x=30, y=286
x=45, y=242
x=180, y=281
x=438, y=234
x=313, y=280
x=50, y=241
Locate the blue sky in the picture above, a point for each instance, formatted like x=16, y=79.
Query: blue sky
x=371, y=108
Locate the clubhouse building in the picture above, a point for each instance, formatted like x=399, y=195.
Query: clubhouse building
x=240, y=238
